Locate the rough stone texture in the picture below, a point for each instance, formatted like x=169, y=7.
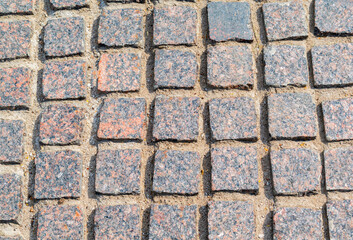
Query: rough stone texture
x=333, y=65
x=297, y=223
x=296, y=170
x=117, y=222
x=230, y=67
x=16, y=6
x=231, y=220
x=334, y=16
x=340, y=219
x=64, y=36
x=10, y=197
x=229, y=21
x=64, y=4
x=122, y=118
x=176, y=118
x=60, y=222
x=11, y=238
x=173, y=222
x=15, y=38
x=64, y=80
x=58, y=175
x=118, y=171
x=234, y=169
x=61, y=125
x=339, y=168
x=174, y=25
x=119, y=72
x=286, y=65
x=175, y=69
x=14, y=87
x=11, y=141
x=176, y=172
x=285, y=20
x=127, y=1
x=121, y=27
x=292, y=116
x=338, y=119
x=233, y=118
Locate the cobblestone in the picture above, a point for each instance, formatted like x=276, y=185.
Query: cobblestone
x=61, y=125
x=176, y=118
x=285, y=20
x=16, y=6
x=175, y=69
x=172, y=222
x=230, y=67
x=340, y=218
x=58, y=175
x=297, y=223
x=338, y=119
x=229, y=21
x=15, y=38
x=117, y=222
x=121, y=27
x=10, y=197
x=176, y=172
x=118, y=171
x=295, y=171
x=11, y=141
x=64, y=80
x=68, y=4
x=234, y=169
x=231, y=220
x=122, y=118
x=11, y=238
x=339, y=168
x=286, y=65
x=292, y=116
x=333, y=65
x=60, y=222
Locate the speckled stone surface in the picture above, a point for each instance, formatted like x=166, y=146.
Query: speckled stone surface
x=174, y=25
x=285, y=20
x=122, y=118
x=292, y=116
x=334, y=16
x=176, y=118
x=176, y=172
x=64, y=80
x=297, y=223
x=16, y=6
x=118, y=171
x=286, y=65
x=231, y=220
x=234, y=169
x=15, y=38
x=340, y=219
x=173, y=222
x=175, y=69
x=64, y=36
x=10, y=197
x=229, y=21
x=11, y=141
x=233, y=118
x=14, y=87
x=60, y=222
x=117, y=222
x=338, y=119
x=230, y=67
x=121, y=27
x=295, y=170
x=11, y=238
x=68, y=4
x=61, y=125
x=58, y=175
x=333, y=65
x=339, y=168
x=120, y=72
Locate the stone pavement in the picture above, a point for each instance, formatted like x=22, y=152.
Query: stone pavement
x=132, y=119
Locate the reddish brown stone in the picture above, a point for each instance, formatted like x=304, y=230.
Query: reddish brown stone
x=68, y=4
x=11, y=141
x=16, y=6
x=340, y=219
x=10, y=197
